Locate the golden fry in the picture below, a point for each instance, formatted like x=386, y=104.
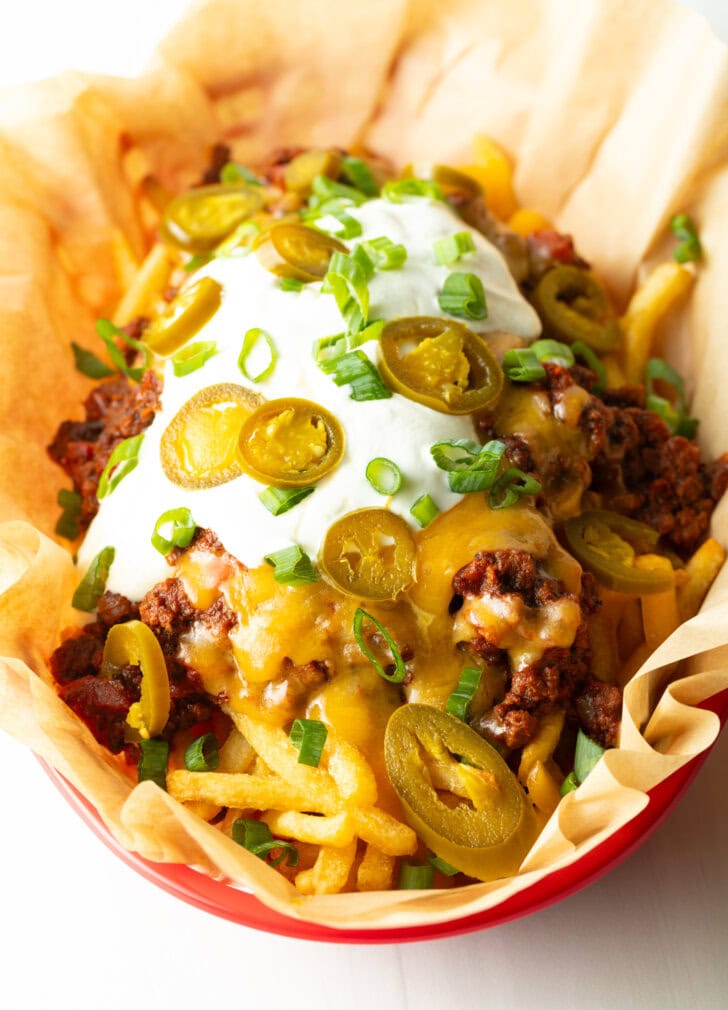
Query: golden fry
x=337, y=831
x=329, y=873
x=150, y=281
x=543, y=788
x=236, y=754
x=649, y=304
x=385, y=832
x=352, y=774
x=659, y=610
x=376, y=870
x=701, y=570
x=255, y=792
x=540, y=749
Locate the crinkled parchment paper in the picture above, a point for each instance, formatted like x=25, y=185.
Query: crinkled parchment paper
x=617, y=114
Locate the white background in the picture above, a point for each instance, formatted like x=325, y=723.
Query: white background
x=80, y=930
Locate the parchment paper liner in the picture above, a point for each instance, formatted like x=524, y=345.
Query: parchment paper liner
x=609, y=151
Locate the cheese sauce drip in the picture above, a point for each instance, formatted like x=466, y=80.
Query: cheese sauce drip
x=397, y=428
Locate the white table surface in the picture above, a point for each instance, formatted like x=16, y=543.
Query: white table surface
x=80, y=930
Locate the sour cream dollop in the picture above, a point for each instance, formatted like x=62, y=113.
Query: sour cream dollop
x=396, y=428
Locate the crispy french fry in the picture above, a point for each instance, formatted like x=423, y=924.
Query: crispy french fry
x=379, y=828
x=649, y=304
x=525, y=221
x=148, y=285
x=629, y=631
x=352, y=774
x=125, y=262
x=659, y=610
x=632, y=664
x=543, y=788
x=203, y=809
x=492, y=169
x=331, y=870
x=236, y=754
x=376, y=870
x=540, y=749
x=603, y=634
x=337, y=830
x=615, y=373
x=701, y=570
x=255, y=792
x=304, y=882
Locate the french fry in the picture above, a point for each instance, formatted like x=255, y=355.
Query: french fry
x=629, y=631
x=543, y=788
x=145, y=290
x=659, y=610
x=615, y=373
x=336, y=831
x=203, y=809
x=540, y=749
x=603, y=634
x=236, y=754
x=255, y=792
x=492, y=169
x=376, y=870
x=649, y=304
x=631, y=665
x=352, y=773
x=525, y=221
x=330, y=872
x=379, y=828
x=126, y=264
x=701, y=570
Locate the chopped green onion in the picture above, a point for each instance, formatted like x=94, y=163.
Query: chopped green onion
x=355, y=369
x=325, y=189
x=676, y=418
x=347, y=280
x=554, y=351
x=384, y=253
x=235, y=172
x=587, y=754
x=463, y=296
x=346, y=227
x=415, y=878
x=450, y=249
x=510, y=487
x=203, y=754
x=250, y=342
x=174, y=528
x=470, y=467
x=520, y=364
x=326, y=349
x=256, y=837
x=279, y=500
x=153, y=761
x=569, y=784
x=459, y=701
x=308, y=736
x=192, y=357
x=683, y=228
x=292, y=566
x=238, y=242
x=395, y=189
x=359, y=175
x=120, y=463
x=399, y=674
x=583, y=351
x=109, y=334
x=442, y=866
x=195, y=262
x=424, y=510
x=384, y=475
x=291, y=284
x=91, y=587
x=68, y=522
x=88, y=364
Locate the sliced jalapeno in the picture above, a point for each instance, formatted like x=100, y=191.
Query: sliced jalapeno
x=486, y=837
x=605, y=544
x=370, y=554
x=197, y=220
x=199, y=447
x=440, y=363
x=456, y=184
x=573, y=305
x=134, y=644
x=184, y=317
x=300, y=171
x=293, y=250
x=290, y=443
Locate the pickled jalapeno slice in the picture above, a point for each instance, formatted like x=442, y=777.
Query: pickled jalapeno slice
x=369, y=553
x=605, y=543
x=294, y=250
x=290, y=443
x=573, y=305
x=199, y=448
x=441, y=363
x=455, y=184
x=198, y=220
x=184, y=317
x=134, y=644
x=300, y=171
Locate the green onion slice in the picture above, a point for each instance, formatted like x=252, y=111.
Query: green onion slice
x=384, y=253
x=110, y=334
x=238, y=242
x=203, y=754
x=583, y=351
x=120, y=463
x=359, y=174
x=91, y=587
x=463, y=296
x=195, y=262
x=251, y=340
x=256, y=837
x=470, y=467
x=68, y=521
x=292, y=566
x=676, y=418
x=355, y=369
x=690, y=249
x=512, y=485
x=520, y=364
x=442, y=866
x=569, y=784
x=384, y=475
x=308, y=736
x=235, y=172
x=291, y=284
x=347, y=280
x=325, y=189
x=88, y=364
x=459, y=701
x=415, y=878
x=554, y=351
x=450, y=249
x=398, y=675
x=192, y=357
x=153, y=762
x=587, y=754
x=424, y=510
x=396, y=189
x=279, y=500
x=319, y=217
x=174, y=528
x=326, y=349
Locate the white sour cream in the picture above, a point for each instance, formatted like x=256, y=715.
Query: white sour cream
x=396, y=428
